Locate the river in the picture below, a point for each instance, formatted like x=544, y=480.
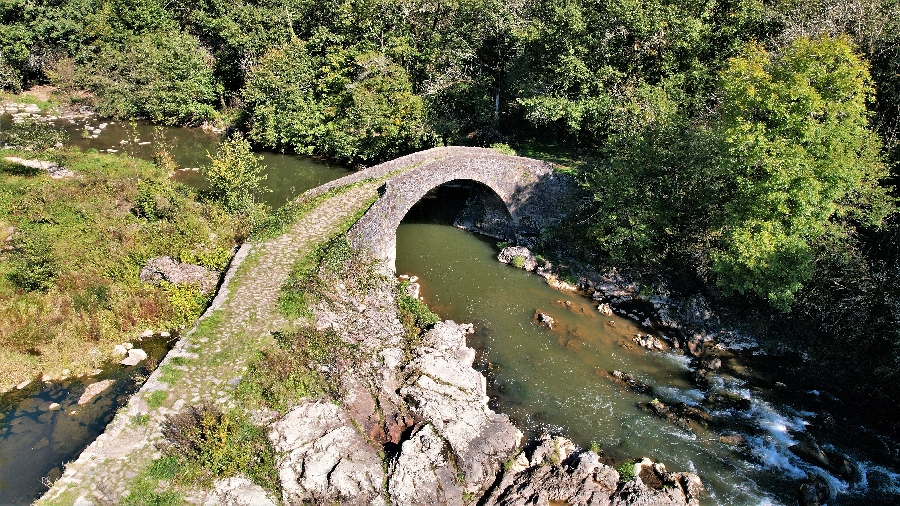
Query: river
x=557, y=380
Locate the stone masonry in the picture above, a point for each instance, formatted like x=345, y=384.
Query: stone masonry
x=532, y=193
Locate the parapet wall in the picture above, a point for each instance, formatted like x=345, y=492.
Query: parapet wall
x=533, y=194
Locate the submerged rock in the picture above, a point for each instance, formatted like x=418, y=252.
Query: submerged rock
x=93, y=390
x=814, y=491
x=544, y=319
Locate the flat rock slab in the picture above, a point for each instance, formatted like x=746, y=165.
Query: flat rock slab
x=53, y=169
x=93, y=390
x=326, y=458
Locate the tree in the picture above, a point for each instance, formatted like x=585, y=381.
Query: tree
x=351, y=106
x=234, y=175
x=802, y=159
x=162, y=76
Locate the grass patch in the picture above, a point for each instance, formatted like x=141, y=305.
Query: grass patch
x=329, y=263
x=414, y=315
x=203, y=443
x=156, y=399
x=140, y=420
x=626, y=472
x=278, y=378
x=170, y=374
x=69, y=287
x=144, y=491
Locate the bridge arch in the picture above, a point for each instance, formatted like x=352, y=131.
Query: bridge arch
x=528, y=189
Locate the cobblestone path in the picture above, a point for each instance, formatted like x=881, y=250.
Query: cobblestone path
x=205, y=365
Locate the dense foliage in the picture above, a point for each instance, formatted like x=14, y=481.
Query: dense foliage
x=746, y=146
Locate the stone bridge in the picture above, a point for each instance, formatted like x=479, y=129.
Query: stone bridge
x=514, y=198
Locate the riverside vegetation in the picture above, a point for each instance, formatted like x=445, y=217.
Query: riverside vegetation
x=73, y=248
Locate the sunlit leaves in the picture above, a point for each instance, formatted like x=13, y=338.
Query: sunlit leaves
x=798, y=146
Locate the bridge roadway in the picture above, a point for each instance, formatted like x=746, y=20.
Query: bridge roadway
x=214, y=354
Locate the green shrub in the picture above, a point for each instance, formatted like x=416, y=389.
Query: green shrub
x=215, y=259
x=186, y=302
x=234, y=175
x=207, y=443
x=503, y=148
x=415, y=316
x=34, y=264
x=351, y=105
x=156, y=200
x=626, y=472
x=518, y=261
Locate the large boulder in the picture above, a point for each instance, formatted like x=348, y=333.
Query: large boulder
x=526, y=260
x=168, y=269
x=325, y=459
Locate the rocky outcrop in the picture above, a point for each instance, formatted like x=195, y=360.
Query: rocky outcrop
x=579, y=478
x=423, y=474
x=412, y=425
x=238, y=491
x=444, y=389
x=168, y=269
x=327, y=459
x=518, y=256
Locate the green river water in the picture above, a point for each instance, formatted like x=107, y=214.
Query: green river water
x=554, y=381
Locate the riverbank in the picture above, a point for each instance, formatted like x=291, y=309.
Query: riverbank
x=73, y=250
x=778, y=411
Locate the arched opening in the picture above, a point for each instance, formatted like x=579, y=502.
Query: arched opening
x=466, y=204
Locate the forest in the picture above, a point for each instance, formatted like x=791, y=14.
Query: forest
x=745, y=149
